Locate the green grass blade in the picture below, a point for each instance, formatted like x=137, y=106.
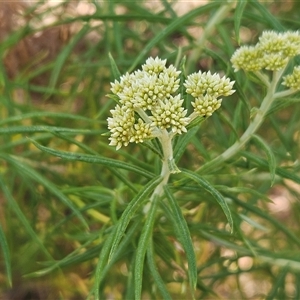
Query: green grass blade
x=266, y=216
x=142, y=249
x=155, y=274
x=6, y=256
x=39, y=114
x=114, y=68
x=183, y=141
x=209, y=188
x=280, y=104
x=262, y=163
x=103, y=265
x=34, y=175
x=63, y=56
x=177, y=23
x=95, y=160
x=238, y=14
x=271, y=158
x=15, y=207
x=130, y=210
x=279, y=284
x=184, y=236
x=41, y=128
x=266, y=15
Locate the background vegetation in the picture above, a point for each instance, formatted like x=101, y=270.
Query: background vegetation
x=56, y=212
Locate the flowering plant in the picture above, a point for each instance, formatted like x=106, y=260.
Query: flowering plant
x=149, y=106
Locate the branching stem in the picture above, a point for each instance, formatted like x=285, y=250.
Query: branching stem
x=252, y=128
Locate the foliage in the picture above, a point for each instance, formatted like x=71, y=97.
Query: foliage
x=74, y=210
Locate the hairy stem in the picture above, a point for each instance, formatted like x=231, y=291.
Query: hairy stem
x=252, y=128
x=168, y=166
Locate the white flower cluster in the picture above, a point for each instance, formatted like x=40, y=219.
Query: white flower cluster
x=272, y=52
x=206, y=88
x=293, y=80
x=149, y=103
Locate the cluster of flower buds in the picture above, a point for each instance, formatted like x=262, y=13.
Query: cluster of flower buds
x=272, y=52
x=149, y=102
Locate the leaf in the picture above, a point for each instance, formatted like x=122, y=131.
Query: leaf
x=238, y=14
x=6, y=256
x=31, y=173
x=182, y=142
x=42, y=114
x=264, y=165
x=95, y=159
x=270, y=155
x=266, y=16
x=209, y=188
x=63, y=56
x=41, y=128
x=15, y=207
x=156, y=276
x=130, y=210
x=142, y=248
x=177, y=23
x=280, y=104
x=184, y=236
x=278, y=284
x=114, y=68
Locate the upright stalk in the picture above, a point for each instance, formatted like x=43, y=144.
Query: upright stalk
x=168, y=166
x=252, y=128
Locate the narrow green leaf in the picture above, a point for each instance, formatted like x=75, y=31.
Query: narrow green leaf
x=238, y=14
x=155, y=274
x=278, y=284
x=266, y=216
x=280, y=104
x=114, y=68
x=102, y=263
x=184, y=236
x=15, y=207
x=63, y=56
x=285, y=173
x=102, y=266
x=253, y=223
x=42, y=114
x=34, y=129
x=182, y=142
x=6, y=256
x=209, y=188
x=178, y=22
x=266, y=15
x=142, y=248
x=26, y=169
x=270, y=155
x=95, y=159
x=130, y=210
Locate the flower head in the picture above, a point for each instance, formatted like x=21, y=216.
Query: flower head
x=206, y=88
x=293, y=80
x=150, y=105
x=272, y=52
x=206, y=105
x=170, y=114
x=248, y=58
x=120, y=126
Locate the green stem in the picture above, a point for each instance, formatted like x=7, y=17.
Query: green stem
x=252, y=128
x=168, y=167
